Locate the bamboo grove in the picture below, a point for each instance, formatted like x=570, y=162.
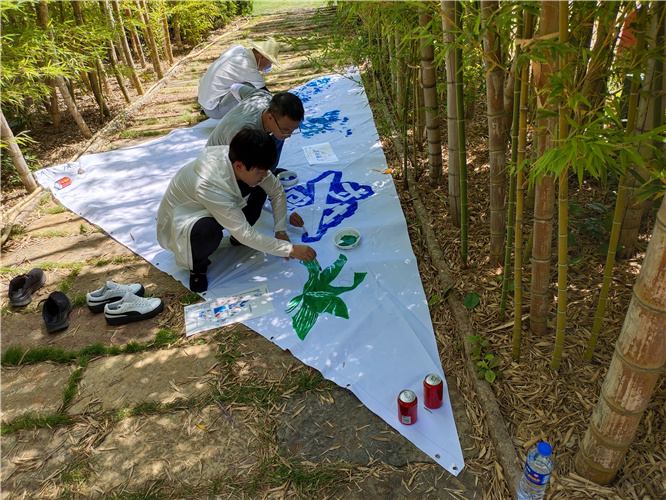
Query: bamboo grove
x=70, y=50
x=573, y=91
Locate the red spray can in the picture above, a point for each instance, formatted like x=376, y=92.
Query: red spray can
x=61, y=183
x=407, y=406
x=433, y=391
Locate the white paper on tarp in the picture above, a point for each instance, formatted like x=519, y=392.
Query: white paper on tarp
x=387, y=344
x=320, y=153
x=236, y=308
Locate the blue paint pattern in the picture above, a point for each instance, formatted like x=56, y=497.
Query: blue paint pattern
x=341, y=200
x=326, y=123
x=305, y=92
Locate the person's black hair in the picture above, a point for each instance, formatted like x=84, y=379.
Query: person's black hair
x=286, y=104
x=253, y=148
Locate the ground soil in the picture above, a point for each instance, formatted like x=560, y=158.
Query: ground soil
x=536, y=403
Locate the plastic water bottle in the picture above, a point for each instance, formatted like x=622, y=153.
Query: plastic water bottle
x=538, y=466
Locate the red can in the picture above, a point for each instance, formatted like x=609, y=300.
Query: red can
x=407, y=406
x=61, y=183
x=433, y=391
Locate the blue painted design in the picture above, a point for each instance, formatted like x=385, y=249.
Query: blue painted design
x=340, y=204
x=305, y=92
x=326, y=123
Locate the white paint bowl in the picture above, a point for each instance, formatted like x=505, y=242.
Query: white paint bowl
x=347, y=238
x=288, y=178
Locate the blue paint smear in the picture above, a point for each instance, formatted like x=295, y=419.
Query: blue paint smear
x=326, y=123
x=310, y=89
x=341, y=201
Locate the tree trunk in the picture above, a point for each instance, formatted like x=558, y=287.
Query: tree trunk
x=167, y=40
x=91, y=75
x=462, y=149
x=43, y=20
x=496, y=131
x=429, y=79
x=562, y=205
x=150, y=38
x=113, y=58
x=136, y=43
x=126, y=50
x=640, y=356
x=644, y=123
x=544, y=202
x=17, y=157
x=619, y=204
x=448, y=16
x=176, y=31
x=401, y=71
x=520, y=188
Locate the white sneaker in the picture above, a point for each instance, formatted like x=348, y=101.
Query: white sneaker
x=132, y=308
x=111, y=292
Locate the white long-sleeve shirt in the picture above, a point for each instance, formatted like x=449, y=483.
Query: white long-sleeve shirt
x=207, y=187
x=237, y=64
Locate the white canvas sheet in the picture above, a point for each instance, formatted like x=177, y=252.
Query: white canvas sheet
x=387, y=344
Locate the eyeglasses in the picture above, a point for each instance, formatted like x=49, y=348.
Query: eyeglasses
x=293, y=132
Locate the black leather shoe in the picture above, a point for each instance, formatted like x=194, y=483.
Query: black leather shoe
x=56, y=309
x=198, y=282
x=22, y=287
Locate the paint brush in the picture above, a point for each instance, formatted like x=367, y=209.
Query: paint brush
x=305, y=231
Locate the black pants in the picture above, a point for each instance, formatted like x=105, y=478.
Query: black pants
x=206, y=234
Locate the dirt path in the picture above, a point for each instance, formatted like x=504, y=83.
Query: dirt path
x=144, y=413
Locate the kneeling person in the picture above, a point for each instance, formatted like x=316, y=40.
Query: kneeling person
x=208, y=195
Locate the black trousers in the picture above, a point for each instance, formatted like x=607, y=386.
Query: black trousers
x=206, y=234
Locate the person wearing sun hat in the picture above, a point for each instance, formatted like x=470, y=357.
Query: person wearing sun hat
x=237, y=64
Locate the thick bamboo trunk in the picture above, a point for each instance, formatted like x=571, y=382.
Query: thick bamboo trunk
x=462, y=154
x=496, y=132
x=448, y=15
x=401, y=72
x=176, y=31
x=16, y=156
x=429, y=79
x=544, y=195
x=640, y=356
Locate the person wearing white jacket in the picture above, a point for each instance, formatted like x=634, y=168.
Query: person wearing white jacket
x=237, y=64
x=205, y=197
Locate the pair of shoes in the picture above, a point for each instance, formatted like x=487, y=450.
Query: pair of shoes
x=55, y=311
x=22, y=287
x=123, y=304
x=132, y=308
x=198, y=282
x=111, y=292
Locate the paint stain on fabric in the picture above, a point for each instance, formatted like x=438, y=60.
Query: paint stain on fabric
x=340, y=200
x=320, y=297
x=310, y=89
x=328, y=122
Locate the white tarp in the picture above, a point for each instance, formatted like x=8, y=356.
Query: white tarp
x=387, y=344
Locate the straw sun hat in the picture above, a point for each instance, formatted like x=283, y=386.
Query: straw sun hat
x=269, y=48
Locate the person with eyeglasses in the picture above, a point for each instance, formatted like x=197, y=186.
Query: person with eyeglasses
x=237, y=64
x=279, y=115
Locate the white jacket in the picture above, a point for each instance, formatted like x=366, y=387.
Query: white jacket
x=207, y=187
x=237, y=64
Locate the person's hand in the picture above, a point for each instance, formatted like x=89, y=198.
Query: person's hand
x=296, y=220
x=303, y=252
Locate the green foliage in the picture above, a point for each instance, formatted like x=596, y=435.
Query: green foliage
x=471, y=300
x=198, y=18
x=34, y=422
x=487, y=364
x=487, y=368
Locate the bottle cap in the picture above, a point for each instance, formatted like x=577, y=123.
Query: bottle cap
x=544, y=449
